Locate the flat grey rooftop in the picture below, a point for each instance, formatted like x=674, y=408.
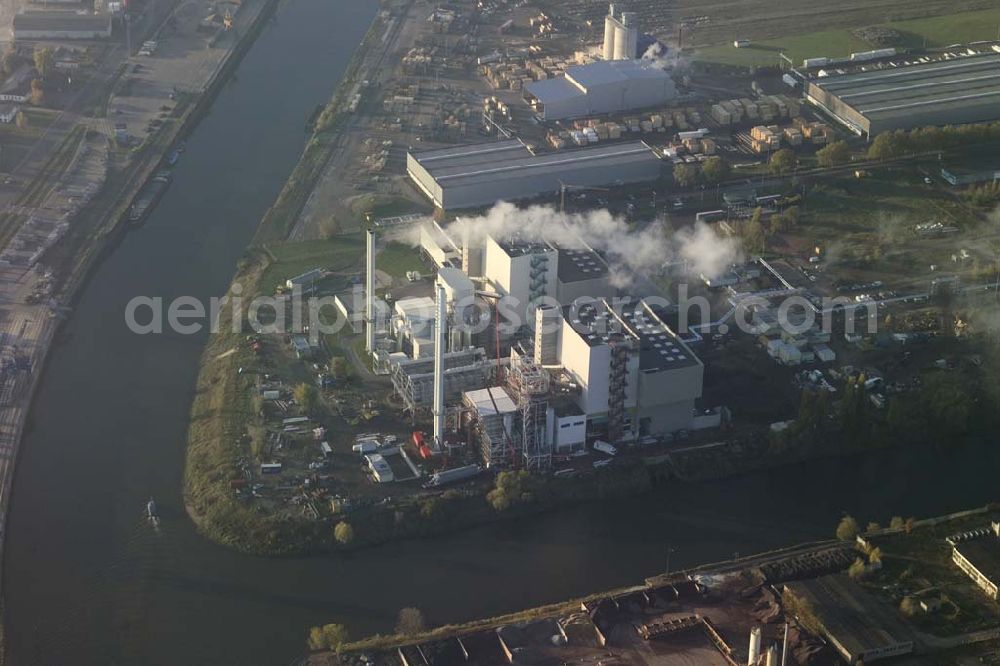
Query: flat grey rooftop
x=852, y=616
x=60, y=20
x=604, y=72
x=659, y=348
x=919, y=88
x=984, y=555
x=469, y=155
x=482, y=165
x=576, y=265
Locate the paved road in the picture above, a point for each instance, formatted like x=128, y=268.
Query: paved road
x=376, y=67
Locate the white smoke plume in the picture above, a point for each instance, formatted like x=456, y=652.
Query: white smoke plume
x=626, y=250
x=662, y=58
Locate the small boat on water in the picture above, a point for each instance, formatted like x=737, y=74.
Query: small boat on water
x=174, y=156
x=152, y=513
x=149, y=195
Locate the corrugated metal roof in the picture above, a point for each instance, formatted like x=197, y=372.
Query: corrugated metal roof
x=917, y=88
x=552, y=91
x=607, y=72
x=580, y=79
x=61, y=21
x=518, y=165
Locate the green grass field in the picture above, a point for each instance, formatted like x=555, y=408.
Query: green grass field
x=397, y=258
x=931, y=32
x=336, y=254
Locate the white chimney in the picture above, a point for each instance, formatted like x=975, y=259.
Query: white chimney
x=370, y=294
x=440, y=338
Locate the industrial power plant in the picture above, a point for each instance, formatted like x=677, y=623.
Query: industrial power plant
x=527, y=350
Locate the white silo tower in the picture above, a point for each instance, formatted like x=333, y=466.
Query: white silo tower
x=626, y=36
x=755, y=636
x=610, y=23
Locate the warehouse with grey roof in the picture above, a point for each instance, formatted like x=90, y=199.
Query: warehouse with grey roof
x=61, y=24
x=952, y=91
x=473, y=176
x=599, y=88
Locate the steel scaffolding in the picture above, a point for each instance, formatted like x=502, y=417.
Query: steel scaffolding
x=529, y=384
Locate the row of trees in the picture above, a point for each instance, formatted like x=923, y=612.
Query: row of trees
x=409, y=622
x=984, y=195
x=848, y=528
x=713, y=170
x=755, y=231
x=898, y=143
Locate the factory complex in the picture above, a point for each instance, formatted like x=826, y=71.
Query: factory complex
x=913, y=93
x=473, y=176
x=526, y=350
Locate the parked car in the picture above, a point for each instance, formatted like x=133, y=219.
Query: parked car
x=606, y=448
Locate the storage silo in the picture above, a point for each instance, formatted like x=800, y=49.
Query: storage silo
x=755, y=636
x=626, y=36
x=609, y=34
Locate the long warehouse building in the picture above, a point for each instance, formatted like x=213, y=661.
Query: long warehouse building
x=474, y=176
x=945, y=92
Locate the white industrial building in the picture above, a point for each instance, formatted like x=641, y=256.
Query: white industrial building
x=523, y=269
x=479, y=175
x=413, y=326
x=614, y=86
x=621, y=35
x=61, y=24
x=634, y=374
x=437, y=246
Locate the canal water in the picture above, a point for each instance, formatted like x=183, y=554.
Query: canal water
x=88, y=581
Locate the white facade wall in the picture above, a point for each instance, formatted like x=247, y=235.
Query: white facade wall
x=569, y=433
x=511, y=276
x=424, y=181
x=536, y=182
x=590, y=367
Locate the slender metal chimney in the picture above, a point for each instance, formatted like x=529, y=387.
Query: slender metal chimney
x=440, y=337
x=370, y=294
x=784, y=647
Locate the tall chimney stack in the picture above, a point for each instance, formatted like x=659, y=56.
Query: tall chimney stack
x=370, y=293
x=440, y=337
